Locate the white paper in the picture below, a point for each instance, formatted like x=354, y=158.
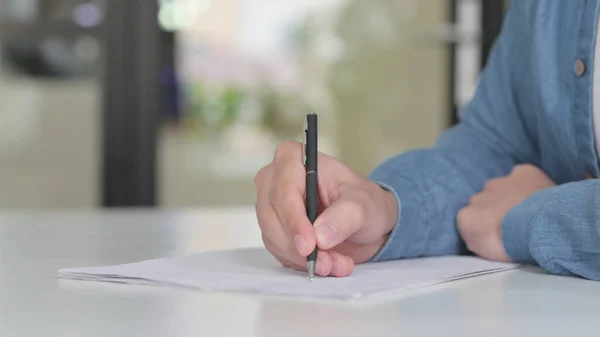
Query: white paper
x=254, y=270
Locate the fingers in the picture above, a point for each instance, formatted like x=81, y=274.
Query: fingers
x=494, y=184
x=286, y=229
x=289, y=206
x=330, y=263
x=274, y=237
x=466, y=221
x=341, y=266
x=324, y=263
x=287, y=198
x=324, y=267
x=479, y=199
x=277, y=242
x=280, y=254
x=526, y=169
x=532, y=175
x=280, y=206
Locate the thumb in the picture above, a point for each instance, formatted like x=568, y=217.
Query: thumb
x=338, y=222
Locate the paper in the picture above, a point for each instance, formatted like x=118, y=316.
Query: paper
x=254, y=270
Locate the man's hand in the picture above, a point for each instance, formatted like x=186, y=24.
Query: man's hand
x=356, y=215
x=480, y=222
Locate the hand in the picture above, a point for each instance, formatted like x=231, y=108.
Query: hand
x=355, y=214
x=480, y=223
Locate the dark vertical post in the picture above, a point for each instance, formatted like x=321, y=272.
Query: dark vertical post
x=132, y=106
x=452, y=10
x=170, y=83
x=491, y=24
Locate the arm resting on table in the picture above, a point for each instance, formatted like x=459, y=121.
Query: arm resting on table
x=432, y=185
x=557, y=228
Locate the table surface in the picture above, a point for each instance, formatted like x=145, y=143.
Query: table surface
x=33, y=302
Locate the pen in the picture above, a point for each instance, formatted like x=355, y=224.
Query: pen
x=310, y=150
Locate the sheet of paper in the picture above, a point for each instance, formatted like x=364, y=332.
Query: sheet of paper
x=254, y=270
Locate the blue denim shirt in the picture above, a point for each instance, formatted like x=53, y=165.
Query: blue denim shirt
x=530, y=106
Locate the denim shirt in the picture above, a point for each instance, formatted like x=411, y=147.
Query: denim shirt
x=532, y=105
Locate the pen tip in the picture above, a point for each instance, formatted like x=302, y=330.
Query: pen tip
x=311, y=270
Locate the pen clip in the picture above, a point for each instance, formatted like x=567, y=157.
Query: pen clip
x=304, y=136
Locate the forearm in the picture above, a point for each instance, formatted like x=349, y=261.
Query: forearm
x=557, y=228
x=431, y=186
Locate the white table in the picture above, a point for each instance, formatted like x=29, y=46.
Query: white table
x=33, y=246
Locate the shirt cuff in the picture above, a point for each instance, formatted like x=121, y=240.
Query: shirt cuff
x=407, y=238
x=517, y=227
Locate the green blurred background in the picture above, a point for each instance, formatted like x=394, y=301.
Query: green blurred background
x=385, y=76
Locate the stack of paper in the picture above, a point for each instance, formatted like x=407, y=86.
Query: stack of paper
x=253, y=270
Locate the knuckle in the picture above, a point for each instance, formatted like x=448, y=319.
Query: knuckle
x=493, y=184
x=259, y=178
x=525, y=168
x=285, y=149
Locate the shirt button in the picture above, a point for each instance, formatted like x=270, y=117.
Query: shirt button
x=579, y=67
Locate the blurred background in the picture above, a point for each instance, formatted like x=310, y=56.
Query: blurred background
x=178, y=103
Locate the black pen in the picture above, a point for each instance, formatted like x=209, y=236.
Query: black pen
x=310, y=150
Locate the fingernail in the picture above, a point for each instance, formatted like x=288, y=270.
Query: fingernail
x=325, y=233
x=300, y=243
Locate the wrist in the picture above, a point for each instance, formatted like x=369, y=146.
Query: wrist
x=405, y=218
x=390, y=211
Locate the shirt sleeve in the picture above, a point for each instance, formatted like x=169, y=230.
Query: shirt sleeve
x=431, y=185
x=558, y=229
